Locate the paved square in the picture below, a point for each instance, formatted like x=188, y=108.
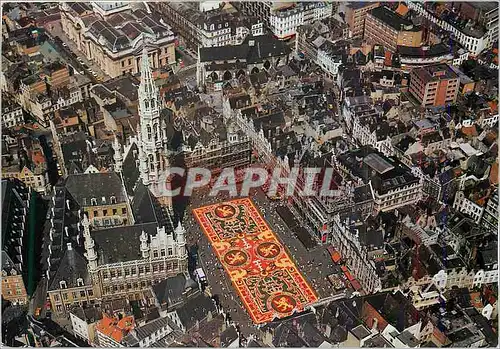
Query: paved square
x=267, y=280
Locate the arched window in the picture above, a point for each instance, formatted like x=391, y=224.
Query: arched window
x=153, y=104
x=146, y=103
x=149, y=131
x=157, y=132
x=151, y=162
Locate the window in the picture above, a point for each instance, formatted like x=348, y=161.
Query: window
x=75, y=295
x=124, y=210
x=96, y=214
x=127, y=272
x=90, y=293
x=104, y=212
x=155, y=254
x=82, y=294
x=141, y=270
x=170, y=251
x=119, y=273
x=151, y=162
x=65, y=296
x=56, y=297
x=113, y=273
x=163, y=252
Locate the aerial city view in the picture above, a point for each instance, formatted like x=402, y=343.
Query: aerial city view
x=249, y=174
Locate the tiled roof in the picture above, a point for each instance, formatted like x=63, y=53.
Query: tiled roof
x=115, y=329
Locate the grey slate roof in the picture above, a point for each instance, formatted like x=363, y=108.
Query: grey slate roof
x=84, y=187
x=263, y=48
x=121, y=244
x=142, y=332
x=196, y=309
x=130, y=169
x=142, y=205
x=73, y=266
x=170, y=291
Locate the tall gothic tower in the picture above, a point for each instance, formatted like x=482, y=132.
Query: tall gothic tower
x=152, y=134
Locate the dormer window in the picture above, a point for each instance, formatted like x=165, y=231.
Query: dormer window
x=93, y=202
x=62, y=284
x=79, y=282
x=103, y=200
x=113, y=200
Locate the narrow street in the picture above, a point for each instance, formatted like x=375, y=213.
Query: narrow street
x=56, y=31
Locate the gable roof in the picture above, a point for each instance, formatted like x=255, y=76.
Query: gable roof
x=72, y=267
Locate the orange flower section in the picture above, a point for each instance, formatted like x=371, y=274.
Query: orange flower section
x=267, y=280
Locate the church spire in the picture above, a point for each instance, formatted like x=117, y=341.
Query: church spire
x=147, y=82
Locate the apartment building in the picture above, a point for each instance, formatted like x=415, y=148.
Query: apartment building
x=386, y=27
x=13, y=288
x=34, y=179
x=285, y=21
x=434, y=85
x=12, y=112
x=355, y=15
x=475, y=38
x=392, y=183
x=199, y=26
x=489, y=220
x=260, y=9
